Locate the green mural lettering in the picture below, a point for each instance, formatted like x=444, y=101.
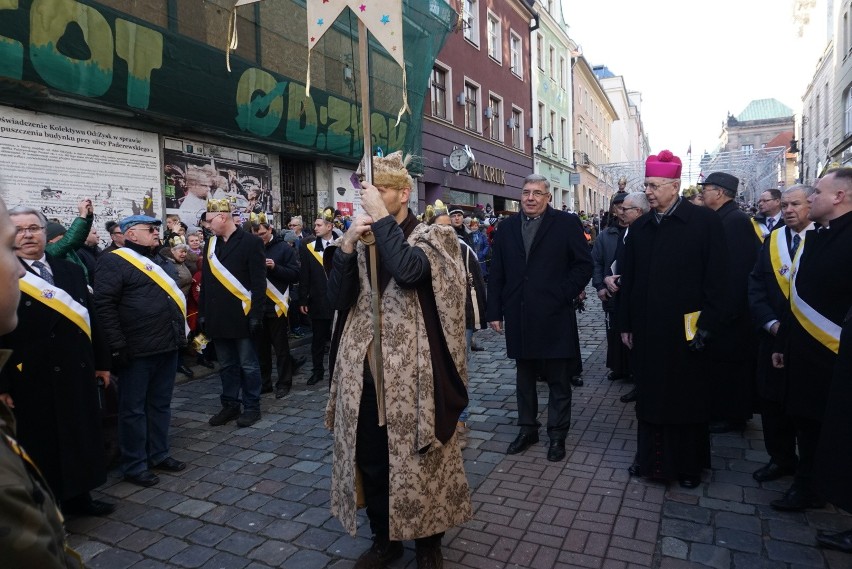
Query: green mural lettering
x=339, y=132
x=302, y=123
x=142, y=49
x=49, y=20
x=11, y=51
x=260, y=102
x=379, y=126
x=396, y=134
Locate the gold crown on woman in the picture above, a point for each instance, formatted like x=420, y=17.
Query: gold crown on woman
x=258, y=218
x=434, y=211
x=219, y=205
x=176, y=240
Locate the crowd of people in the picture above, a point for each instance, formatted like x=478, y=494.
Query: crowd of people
x=690, y=293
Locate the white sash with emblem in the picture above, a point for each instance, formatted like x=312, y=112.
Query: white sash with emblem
x=281, y=300
x=153, y=271
x=818, y=326
x=779, y=256
x=54, y=297
x=760, y=229
x=227, y=279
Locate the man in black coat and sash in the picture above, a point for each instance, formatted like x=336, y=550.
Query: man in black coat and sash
x=769, y=300
x=313, y=292
x=809, y=337
x=51, y=382
x=673, y=284
x=539, y=265
x=731, y=353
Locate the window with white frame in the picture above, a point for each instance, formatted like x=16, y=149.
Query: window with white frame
x=552, y=62
x=439, y=92
x=552, y=132
x=747, y=148
x=562, y=83
x=563, y=138
x=540, y=122
x=471, y=106
x=539, y=51
x=471, y=21
x=495, y=38
x=517, y=127
x=516, y=60
x=495, y=124
x=848, y=112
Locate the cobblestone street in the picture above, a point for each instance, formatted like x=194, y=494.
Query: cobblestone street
x=258, y=497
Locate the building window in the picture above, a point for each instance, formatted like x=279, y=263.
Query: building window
x=517, y=126
x=848, y=112
x=552, y=132
x=495, y=125
x=516, y=55
x=563, y=138
x=439, y=93
x=825, y=108
x=471, y=116
x=747, y=148
x=552, y=63
x=495, y=38
x=562, y=82
x=471, y=21
x=539, y=51
x=540, y=122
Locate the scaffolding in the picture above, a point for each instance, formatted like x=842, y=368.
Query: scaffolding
x=758, y=170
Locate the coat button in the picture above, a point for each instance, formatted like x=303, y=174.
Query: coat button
x=82, y=364
x=52, y=335
x=57, y=368
x=28, y=303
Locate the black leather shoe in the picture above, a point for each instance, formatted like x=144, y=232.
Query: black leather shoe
x=146, y=478
x=576, y=381
x=476, y=348
x=379, y=555
x=772, y=471
x=223, y=416
x=186, y=371
x=170, y=465
x=612, y=376
x=796, y=500
x=840, y=541
x=628, y=397
x=634, y=469
x=522, y=442
x=85, y=506
x=204, y=362
x=717, y=427
x=689, y=481
x=281, y=391
x=248, y=418
x=315, y=378
x=556, y=450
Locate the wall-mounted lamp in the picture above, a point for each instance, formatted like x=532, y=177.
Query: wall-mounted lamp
x=531, y=132
x=347, y=74
x=461, y=99
x=540, y=145
x=489, y=112
x=511, y=124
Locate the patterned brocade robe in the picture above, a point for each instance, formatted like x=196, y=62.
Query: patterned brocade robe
x=429, y=492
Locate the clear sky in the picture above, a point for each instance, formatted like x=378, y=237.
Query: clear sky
x=696, y=61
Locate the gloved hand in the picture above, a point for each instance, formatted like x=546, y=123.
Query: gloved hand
x=699, y=342
x=120, y=358
x=255, y=326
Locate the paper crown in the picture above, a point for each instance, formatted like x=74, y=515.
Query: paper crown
x=219, y=205
x=258, y=218
x=176, y=240
x=327, y=214
x=434, y=211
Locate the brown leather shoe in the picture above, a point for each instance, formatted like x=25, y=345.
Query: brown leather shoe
x=379, y=555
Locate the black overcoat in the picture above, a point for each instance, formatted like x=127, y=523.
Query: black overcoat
x=313, y=283
x=243, y=255
x=824, y=281
x=671, y=269
x=51, y=378
x=732, y=350
x=535, y=295
x=284, y=273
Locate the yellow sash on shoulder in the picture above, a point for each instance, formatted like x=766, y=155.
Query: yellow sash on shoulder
x=779, y=256
x=54, y=297
x=758, y=229
x=281, y=300
x=156, y=274
x=818, y=326
x=317, y=254
x=226, y=278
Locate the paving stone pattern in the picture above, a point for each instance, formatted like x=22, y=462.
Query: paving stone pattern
x=258, y=497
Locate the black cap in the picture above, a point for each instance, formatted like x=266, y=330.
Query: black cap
x=723, y=180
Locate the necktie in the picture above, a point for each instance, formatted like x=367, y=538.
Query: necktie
x=43, y=272
x=769, y=223
x=796, y=241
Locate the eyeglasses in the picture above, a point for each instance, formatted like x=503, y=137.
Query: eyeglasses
x=705, y=189
x=535, y=193
x=115, y=232
x=293, y=225
x=654, y=187
x=626, y=209
x=32, y=229
x=148, y=229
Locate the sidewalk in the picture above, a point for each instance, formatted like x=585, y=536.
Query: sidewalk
x=258, y=497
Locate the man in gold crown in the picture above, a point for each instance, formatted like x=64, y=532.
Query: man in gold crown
x=393, y=410
x=230, y=310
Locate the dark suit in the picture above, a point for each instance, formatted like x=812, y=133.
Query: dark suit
x=534, y=294
x=731, y=350
x=51, y=378
x=768, y=303
x=313, y=293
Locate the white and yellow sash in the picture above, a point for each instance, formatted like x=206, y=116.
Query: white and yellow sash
x=761, y=230
x=54, y=297
x=779, y=256
x=281, y=300
x=228, y=280
x=317, y=254
x=153, y=271
x=821, y=328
